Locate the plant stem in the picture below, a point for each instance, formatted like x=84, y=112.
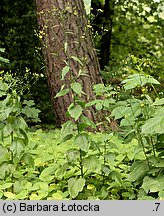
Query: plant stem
x=81, y=164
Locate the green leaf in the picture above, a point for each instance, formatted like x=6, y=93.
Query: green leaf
x=9, y=195
x=72, y=155
x=158, y=102
x=3, y=86
x=138, y=170
x=82, y=141
x=45, y=175
x=77, y=88
x=161, y=194
x=17, y=147
x=77, y=60
x=58, y=195
x=105, y=169
x=68, y=128
x=62, y=93
x=65, y=71
x=154, y=125
x=4, y=60
x=136, y=80
x=7, y=130
x=152, y=185
x=87, y=121
x=120, y=112
x=6, y=185
x=75, y=186
x=75, y=111
x=6, y=169
x=92, y=163
x=22, y=195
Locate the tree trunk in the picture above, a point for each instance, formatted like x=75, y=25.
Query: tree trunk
x=63, y=24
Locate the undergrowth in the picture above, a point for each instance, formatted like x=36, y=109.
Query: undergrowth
x=124, y=162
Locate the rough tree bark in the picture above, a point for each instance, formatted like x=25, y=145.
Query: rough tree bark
x=61, y=23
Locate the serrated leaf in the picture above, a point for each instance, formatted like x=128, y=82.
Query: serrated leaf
x=62, y=93
x=77, y=88
x=82, y=141
x=75, y=111
x=65, y=71
x=75, y=186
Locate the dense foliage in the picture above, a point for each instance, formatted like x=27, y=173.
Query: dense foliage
x=125, y=160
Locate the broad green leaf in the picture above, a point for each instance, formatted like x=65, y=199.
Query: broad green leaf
x=46, y=174
x=68, y=128
x=82, y=141
x=161, y=194
x=152, y=185
x=138, y=171
x=77, y=88
x=120, y=112
x=92, y=163
x=6, y=185
x=9, y=195
x=159, y=102
x=7, y=130
x=67, y=137
x=3, y=86
x=58, y=195
x=62, y=93
x=22, y=195
x=154, y=125
x=77, y=60
x=116, y=176
x=75, y=186
x=34, y=196
x=65, y=71
x=136, y=80
x=87, y=121
x=17, y=147
x=105, y=169
x=72, y=155
x=75, y=111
